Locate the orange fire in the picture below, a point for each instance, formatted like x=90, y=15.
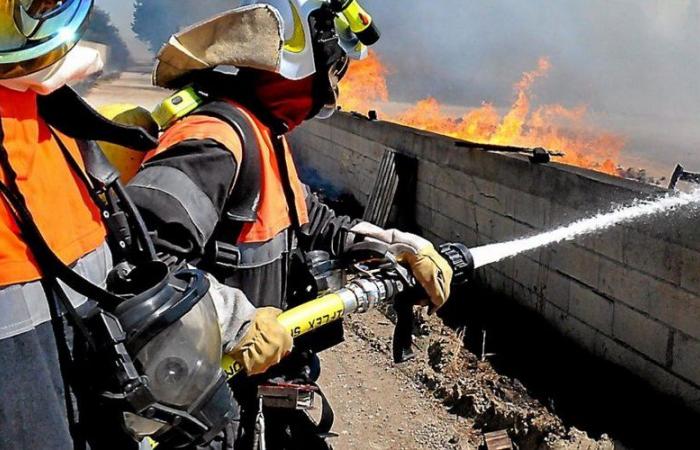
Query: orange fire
x=553, y=127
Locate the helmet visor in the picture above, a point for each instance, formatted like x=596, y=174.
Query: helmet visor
x=35, y=34
x=42, y=9
x=336, y=73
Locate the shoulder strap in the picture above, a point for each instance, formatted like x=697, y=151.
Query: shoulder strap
x=242, y=205
x=290, y=196
x=83, y=122
x=49, y=263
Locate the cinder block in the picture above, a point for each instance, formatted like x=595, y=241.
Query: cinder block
x=652, y=256
x=583, y=334
x=625, y=284
x=358, y=144
x=500, y=282
x=690, y=272
x=555, y=288
x=425, y=195
x=525, y=296
x=591, y=308
x=675, y=307
x=424, y=218
x=457, y=183
x=659, y=376
x=607, y=243
x=556, y=316
x=686, y=357
x=526, y=271
x=576, y=262
x=484, y=222
x=504, y=229
x=641, y=333
x=486, y=195
x=452, y=230
x=532, y=210
x=429, y=172
x=562, y=215
x=455, y=207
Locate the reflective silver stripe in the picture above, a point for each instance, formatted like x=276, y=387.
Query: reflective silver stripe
x=24, y=306
x=261, y=254
x=176, y=184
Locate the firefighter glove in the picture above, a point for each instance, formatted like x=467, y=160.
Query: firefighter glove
x=431, y=270
x=265, y=343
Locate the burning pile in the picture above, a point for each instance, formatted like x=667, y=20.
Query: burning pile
x=553, y=127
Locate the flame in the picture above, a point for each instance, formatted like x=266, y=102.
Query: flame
x=554, y=127
x=364, y=84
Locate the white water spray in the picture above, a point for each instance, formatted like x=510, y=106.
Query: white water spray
x=489, y=254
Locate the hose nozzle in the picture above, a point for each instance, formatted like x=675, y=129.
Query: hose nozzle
x=461, y=261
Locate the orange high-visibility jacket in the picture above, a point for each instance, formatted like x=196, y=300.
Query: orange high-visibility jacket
x=273, y=212
x=57, y=198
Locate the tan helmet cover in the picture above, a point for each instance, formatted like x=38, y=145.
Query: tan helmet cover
x=247, y=37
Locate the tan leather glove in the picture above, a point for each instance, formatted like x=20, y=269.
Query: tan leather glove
x=265, y=343
x=431, y=270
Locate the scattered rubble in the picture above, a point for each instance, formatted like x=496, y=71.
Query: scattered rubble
x=471, y=388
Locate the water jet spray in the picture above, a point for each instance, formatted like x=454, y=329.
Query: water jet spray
x=493, y=253
x=376, y=277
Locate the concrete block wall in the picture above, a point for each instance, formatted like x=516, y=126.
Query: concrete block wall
x=629, y=294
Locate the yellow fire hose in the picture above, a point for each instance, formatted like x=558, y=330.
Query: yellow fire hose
x=360, y=295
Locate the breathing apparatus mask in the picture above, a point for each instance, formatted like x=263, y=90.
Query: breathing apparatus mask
x=152, y=344
x=166, y=340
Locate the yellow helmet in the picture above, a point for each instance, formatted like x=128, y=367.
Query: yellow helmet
x=35, y=34
x=126, y=160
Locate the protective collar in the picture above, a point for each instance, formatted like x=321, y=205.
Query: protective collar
x=289, y=101
x=76, y=66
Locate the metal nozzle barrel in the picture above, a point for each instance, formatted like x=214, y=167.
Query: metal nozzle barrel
x=461, y=261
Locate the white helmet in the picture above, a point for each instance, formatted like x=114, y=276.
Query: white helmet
x=295, y=38
x=298, y=60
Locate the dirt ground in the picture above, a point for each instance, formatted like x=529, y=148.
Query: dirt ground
x=446, y=398
x=127, y=87
x=380, y=407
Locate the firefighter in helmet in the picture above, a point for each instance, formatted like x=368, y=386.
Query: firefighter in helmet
x=56, y=258
x=222, y=191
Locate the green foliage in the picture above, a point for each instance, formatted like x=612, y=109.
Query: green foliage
x=156, y=20
x=103, y=31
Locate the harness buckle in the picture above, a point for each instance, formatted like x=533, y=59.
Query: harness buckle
x=227, y=255
x=299, y=397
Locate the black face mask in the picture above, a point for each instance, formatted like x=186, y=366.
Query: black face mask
x=330, y=59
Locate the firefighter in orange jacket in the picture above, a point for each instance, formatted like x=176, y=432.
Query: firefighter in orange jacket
x=34, y=411
x=52, y=231
x=222, y=190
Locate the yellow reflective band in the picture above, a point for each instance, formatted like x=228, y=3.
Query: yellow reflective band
x=297, y=43
x=152, y=443
x=357, y=17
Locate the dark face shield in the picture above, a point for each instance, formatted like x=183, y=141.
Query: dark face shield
x=330, y=59
x=335, y=74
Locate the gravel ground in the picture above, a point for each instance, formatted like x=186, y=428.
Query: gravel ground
x=444, y=399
